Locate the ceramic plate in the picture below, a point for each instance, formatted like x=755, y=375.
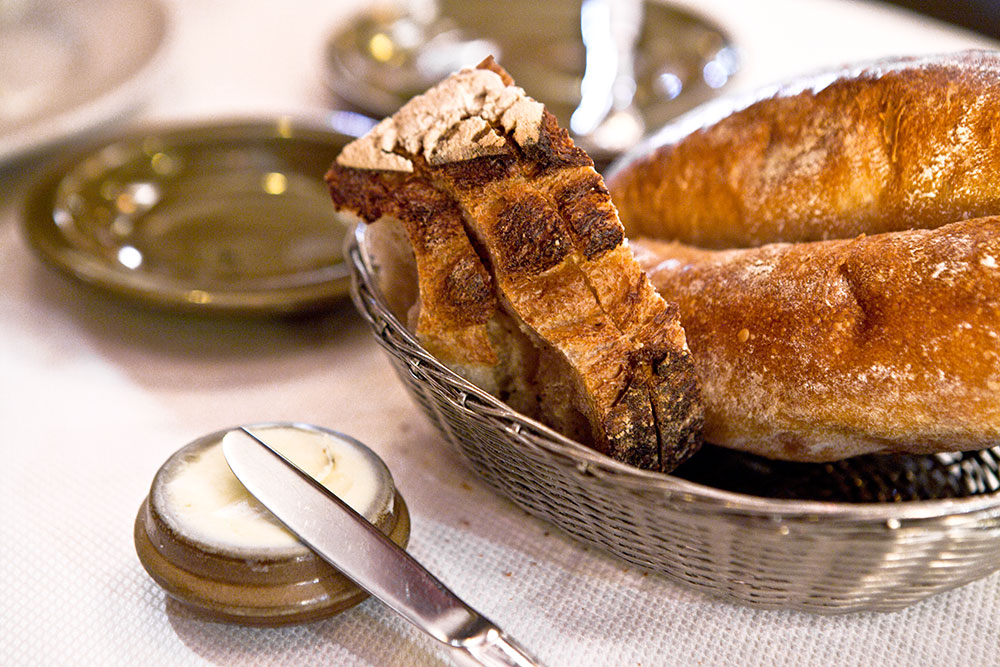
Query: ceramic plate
x=221, y=218
x=68, y=66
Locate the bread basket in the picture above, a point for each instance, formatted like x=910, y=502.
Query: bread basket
x=817, y=556
x=868, y=533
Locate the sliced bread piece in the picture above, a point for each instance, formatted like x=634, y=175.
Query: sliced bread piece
x=611, y=365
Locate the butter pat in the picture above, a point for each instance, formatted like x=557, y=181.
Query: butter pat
x=201, y=499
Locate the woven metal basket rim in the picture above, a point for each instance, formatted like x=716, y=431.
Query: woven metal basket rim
x=634, y=479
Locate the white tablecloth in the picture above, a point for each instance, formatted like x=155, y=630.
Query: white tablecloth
x=95, y=394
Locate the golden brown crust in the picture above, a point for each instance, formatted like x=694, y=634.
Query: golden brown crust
x=585, y=203
x=455, y=290
x=543, y=284
x=657, y=413
x=819, y=350
x=891, y=148
x=609, y=357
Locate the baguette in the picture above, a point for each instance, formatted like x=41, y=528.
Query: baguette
x=813, y=341
x=825, y=350
x=903, y=144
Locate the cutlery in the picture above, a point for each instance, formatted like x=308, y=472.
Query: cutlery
x=346, y=540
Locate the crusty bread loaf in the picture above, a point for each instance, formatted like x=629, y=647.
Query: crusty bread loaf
x=456, y=300
x=912, y=143
x=826, y=349
x=574, y=326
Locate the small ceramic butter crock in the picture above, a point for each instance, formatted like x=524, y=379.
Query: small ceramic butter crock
x=212, y=547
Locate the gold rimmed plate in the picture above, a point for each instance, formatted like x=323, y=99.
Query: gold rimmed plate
x=225, y=217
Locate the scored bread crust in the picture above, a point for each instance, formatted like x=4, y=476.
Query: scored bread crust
x=912, y=143
x=824, y=350
x=539, y=220
x=819, y=350
x=455, y=292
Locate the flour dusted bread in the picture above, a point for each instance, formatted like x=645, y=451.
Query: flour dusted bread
x=911, y=143
x=818, y=350
x=534, y=292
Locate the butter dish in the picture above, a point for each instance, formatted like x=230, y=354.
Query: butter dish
x=212, y=547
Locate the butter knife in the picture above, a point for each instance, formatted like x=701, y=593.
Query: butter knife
x=347, y=541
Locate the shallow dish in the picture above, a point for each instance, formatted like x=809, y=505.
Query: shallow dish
x=228, y=217
x=68, y=66
x=860, y=548
x=681, y=58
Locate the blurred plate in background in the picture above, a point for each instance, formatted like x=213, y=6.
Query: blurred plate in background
x=217, y=218
x=66, y=67
x=679, y=59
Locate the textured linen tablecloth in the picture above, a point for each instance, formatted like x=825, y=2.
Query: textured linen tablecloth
x=95, y=394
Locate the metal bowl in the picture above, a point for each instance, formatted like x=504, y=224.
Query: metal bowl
x=385, y=55
x=887, y=533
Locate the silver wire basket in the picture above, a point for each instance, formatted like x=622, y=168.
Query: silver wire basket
x=871, y=533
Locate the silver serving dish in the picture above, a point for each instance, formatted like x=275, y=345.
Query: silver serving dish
x=873, y=533
x=677, y=58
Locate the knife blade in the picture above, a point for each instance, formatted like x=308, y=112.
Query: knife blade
x=346, y=540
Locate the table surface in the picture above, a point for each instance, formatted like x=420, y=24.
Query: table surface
x=96, y=394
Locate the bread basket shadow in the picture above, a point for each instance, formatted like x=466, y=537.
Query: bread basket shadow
x=771, y=552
